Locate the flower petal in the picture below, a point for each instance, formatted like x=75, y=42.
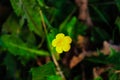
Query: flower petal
x=60, y=36
x=67, y=39
x=59, y=49
x=62, y=43
x=66, y=47
x=54, y=43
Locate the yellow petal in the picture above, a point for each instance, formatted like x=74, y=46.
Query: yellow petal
x=59, y=49
x=60, y=36
x=67, y=39
x=54, y=43
x=66, y=47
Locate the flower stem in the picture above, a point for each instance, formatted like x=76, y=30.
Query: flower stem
x=43, y=23
x=58, y=67
x=53, y=56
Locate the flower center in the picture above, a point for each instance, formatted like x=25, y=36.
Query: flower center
x=60, y=42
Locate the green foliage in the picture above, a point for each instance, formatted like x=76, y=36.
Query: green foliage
x=54, y=78
x=98, y=78
x=113, y=75
x=41, y=3
x=44, y=72
x=11, y=65
x=65, y=22
x=27, y=34
x=80, y=28
x=69, y=27
x=72, y=27
x=118, y=4
x=17, y=6
x=77, y=77
x=16, y=46
x=100, y=14
x=97, y=35
x=11, y=25
x=113, y=58
x=31, y=12
x=117, y=22
x=51, y=36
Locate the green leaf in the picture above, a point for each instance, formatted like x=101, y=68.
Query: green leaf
x=80, y=28
x=22, y=20
x=70, y=26
x=112, y=52
x=29, y=10
x=17, y=47
x=47, y=23
x=113, y=59
x=11, y=25
x=97, y=35
x=100, y=14
x=118, y=4
x=54, y=77
x=64, y=23
x=33, y=17
x=98, y=78
x=78, y=77
x=41, y=73
x=51, y=35
x=29, y=38
x=112, y=75
x=11, y=65
x=41, y=2
x=17, y=6
x=56, y=3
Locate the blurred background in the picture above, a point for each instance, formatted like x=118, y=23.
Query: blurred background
x=27, y=28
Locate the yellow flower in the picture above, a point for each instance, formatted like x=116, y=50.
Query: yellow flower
x=62, y=43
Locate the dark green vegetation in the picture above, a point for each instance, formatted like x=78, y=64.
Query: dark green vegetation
x=27, y=28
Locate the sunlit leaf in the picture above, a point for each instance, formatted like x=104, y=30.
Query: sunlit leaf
x=54, y=77
x=17, y=6
x=71, y=26
x=41, y=2
x=98, y=78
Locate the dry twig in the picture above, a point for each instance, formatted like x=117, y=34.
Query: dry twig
x=106, y=51
x=84, y=12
